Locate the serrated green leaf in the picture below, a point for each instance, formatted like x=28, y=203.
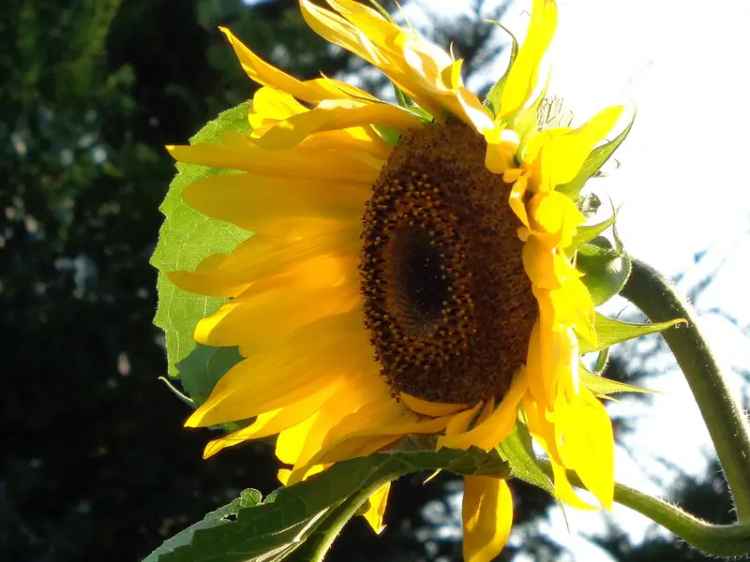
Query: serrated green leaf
x=594, y=162
x=602, y=386
x=610, y=331
x=273, y=529
x=186, y=237
x=203, y=367
x=605, y=271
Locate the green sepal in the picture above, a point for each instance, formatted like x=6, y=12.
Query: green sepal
x=202, y=369
x=492, y=101
x=586, y=234
x=594, y=162
x=518, y=451
x=602, y=359
x=274, y=529
x=605, y=269
x=602, y=386
x=186, y=237
x=389, y=135
x=610, y=331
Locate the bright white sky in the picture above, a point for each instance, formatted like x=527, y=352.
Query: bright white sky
x=682, y=185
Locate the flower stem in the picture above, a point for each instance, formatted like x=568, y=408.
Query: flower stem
x=726, y=423
x=715, y=540
x=316, y=547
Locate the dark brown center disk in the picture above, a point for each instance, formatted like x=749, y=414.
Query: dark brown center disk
x=447, y=302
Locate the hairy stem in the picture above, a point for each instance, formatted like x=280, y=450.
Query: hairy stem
x=716, y=540
x=727, y=424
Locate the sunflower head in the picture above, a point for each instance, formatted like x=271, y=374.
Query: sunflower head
x=423, y=281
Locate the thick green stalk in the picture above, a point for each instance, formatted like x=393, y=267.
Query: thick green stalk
x=727, y=424
x=716, y=540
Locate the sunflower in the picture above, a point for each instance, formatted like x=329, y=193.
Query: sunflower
x=412, y=268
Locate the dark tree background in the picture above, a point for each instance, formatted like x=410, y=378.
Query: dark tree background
x=95, y=461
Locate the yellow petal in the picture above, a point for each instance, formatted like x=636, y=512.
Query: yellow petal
x=311, y=358
x=516, y=199
x=372, y=427
x=250, y=201
x=460, y=422
x=562, y=155
x=564, y=491
x=264, y=73
x=376, y=508
x=487, y=511
x=421, y=69
x=291, y=442
x=273, y=260
x=427, y=408
x=339, y=115
x=522, y=77
x=555, y=214
x=539, y=263
x=263, y=320
x=273, y=422
x=354, y=164
x=353, y=393
x=586, y=443
x=274, y=105
x=497, y=426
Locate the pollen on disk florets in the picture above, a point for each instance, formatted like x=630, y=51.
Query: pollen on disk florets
x=447, y=302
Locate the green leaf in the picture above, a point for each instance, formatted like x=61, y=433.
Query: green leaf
x=605, y=270
x=186, y=237
x=495, y=94
x=602, y=386
x=517, y=450
x=610, y=331
x=203, y=367
x=222, y=516
x=594, y=162
x=273, y=529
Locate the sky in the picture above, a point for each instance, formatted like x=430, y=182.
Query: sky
x=680, y=185
x=680, y=188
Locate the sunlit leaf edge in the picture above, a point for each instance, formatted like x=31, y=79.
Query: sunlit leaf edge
x=186, y=237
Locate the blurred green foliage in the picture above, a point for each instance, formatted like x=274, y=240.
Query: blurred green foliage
x=95, y=461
